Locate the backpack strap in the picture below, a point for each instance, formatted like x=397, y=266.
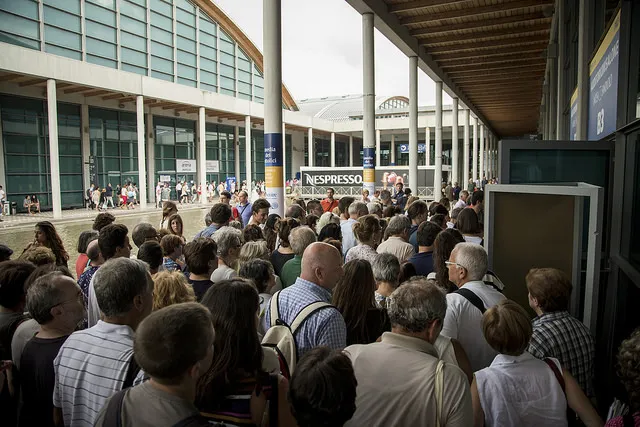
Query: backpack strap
x=305, y=313
x=113, y=413
x=132, y=373
x=273, y=402
x=439, y=386
x=472, y=298
x=556, y=372
x=274, y=309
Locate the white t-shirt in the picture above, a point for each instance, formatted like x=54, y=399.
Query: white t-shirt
x=2, y=195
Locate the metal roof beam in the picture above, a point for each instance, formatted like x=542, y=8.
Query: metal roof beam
x=419, y=4
x=504, y=51
x=490, y=44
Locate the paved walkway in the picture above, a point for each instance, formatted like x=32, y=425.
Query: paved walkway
x=71, y=215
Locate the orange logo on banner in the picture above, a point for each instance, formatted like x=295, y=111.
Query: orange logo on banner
x=369, y=175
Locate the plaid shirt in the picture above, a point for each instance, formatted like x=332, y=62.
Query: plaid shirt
x=560, y=335
x=325, y=327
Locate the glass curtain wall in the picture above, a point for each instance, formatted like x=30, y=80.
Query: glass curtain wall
x=174, y=139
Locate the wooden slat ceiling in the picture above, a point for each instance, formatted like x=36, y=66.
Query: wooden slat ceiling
x=493, y=50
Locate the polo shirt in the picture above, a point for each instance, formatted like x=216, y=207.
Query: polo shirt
x=329, y=205
x=91, y=366
x=348, y=238
x=423, y=262
x=325, y=327
x=406, y=397
x=291, y=271
x=398, y=247
x=463, y=322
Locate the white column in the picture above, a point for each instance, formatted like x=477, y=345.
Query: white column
x=86, y=145
x=465, y=152
x=371, y=135
x=455, y=155
x=474, y=166
x=202, y=154
x=3, y=178
x=54, y=155
x=413, y=124
x=142, y=163
x=482, y=162
x=351, y=150
x=310, y=146
x=427, y=146
x=249, y=152
x=584, y=52
x=236, y=153
x=553, y=93
x=437, y=175
x=332, y=150
x=284, y=154
x=151, y=166
x=393, y=149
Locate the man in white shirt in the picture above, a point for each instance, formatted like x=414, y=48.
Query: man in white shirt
x=462, y=201
x=468, y=263
x=356, y=210
x=396, y=244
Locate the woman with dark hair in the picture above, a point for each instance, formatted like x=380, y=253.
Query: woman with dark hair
x=284, y=252
x=269, y=231
x=407, y=271
x=330, y=231
x=102, y=220
x=236, y=389
x=391, y=211
x=311, y=221
x=442, y=248
x=628, y=370
x=469, y=226
x=47, y=236
x=252, y=233
x=35, y=202
x=168, y=209
x=176, y=226
x=83, y=242
x=353, y=296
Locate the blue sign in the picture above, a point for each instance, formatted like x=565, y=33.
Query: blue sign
x=573, y=123
x=603, y=84
x=404, y=148
x=231, y=184
x=368, y=157
x=273, y=149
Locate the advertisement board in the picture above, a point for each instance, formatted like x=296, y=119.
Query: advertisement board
x=185, y=166
x=352, y=177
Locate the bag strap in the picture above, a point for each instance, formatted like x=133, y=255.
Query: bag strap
x=556, y=372
x=472, y=298
x=274, y=309
x=273, y=402
x=439, y=385
x=305, y=313
x=113, y=413
x=132, y=373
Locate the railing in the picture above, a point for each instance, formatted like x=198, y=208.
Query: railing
x=320, y=192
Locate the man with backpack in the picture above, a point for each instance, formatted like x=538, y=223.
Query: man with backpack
x=305, y=317
x=167, y=399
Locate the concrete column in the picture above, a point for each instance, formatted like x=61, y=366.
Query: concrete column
x=273, y=146
x=584, y=52
x=332, y=150
x=437, y=175
x=393, y=150
x=474, y=166
x=465, y=152
x=455, y=154
x=561, y=132
x=371, y=135
x=151, y=159
x=202, y=154
x=236, y=155
x=413, y=123
x=86, y=145
x=482, y=162
x=310, y=146
x=142, y=163
x=284, y=154
x=427, y=146
x=249, y=152
x=54, y=155
x=3, y=178
x=351, y=150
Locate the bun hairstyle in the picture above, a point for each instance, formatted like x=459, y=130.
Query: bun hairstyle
x=366, y=227
x=284, y=227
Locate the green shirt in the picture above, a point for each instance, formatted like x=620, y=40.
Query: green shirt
x=291, y=271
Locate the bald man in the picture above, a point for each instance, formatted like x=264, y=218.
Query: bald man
x=321, y=269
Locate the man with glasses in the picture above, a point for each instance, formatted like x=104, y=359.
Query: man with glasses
x=467, y=265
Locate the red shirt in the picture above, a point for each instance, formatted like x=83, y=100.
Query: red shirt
x=328, y=205
x=81, y=263
x=234, y=214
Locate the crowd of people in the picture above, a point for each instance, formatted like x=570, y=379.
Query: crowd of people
x=373, y=312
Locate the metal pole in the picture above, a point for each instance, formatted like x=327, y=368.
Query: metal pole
x=482, y=162
x=560, y=100
x=369, y=118
x=142, y=163
x=437, y=175
x=455, y=154
x=273, y=147
x=202, y=154
x=584, y=51
x=413, y=124
x=54, y=155
x=465, y=152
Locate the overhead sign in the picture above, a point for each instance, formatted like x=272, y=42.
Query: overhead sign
x=404, y=148
x=185, y=165
x=213, y=166
x=353, y=177
x=165, y=178
x=603, y=84
x=573, y=124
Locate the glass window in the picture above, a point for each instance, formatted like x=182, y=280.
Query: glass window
x=133, y=10
x=19, y=41
x=162, y=7
x=133, y=26
x=186, y=31
x=186, y=17
x=207, y=25
x=187, y=72
x=227, y=71
x=19, y=26
x=161, y=21
x=133, y=69
x=161, y=51
x=100, y=48
x=62, y=38
x=243, y=76
x=211, y=88
x=72, y=6
x=99, y=14
x=206, y=64
x=26, y=8
x=162, y=65
x=187, y=58
x=227, y=59
x=184, y=4
x=162, y=36
x=132, y=41
x=207, y=39
x=228, y=84
x=186, y=44
x=244, y=88
x=162, y=76
x=61, y=19
x=100, y=32
x=209, y=78
x=133, y=57
x=69, y=53
x=207, y=52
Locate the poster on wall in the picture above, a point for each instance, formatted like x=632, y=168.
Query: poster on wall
x=185, y=166
x=603, y=84
x=573, y=118
x=213, y=166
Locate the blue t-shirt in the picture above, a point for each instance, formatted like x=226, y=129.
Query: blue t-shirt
x=423, y=262
x=413, y=237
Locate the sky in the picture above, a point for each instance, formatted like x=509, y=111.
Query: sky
x=322, y=50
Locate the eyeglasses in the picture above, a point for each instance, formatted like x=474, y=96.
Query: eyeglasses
x=78, y=298
x=449, y=263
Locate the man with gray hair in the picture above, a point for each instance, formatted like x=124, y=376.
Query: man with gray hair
x=356, y=210
x=295, y=211
x=398, y=232
x=375, y=208
x=300, y=238
x=467, y=264
x=404, y=369
x=95, y=363
x=386, y=272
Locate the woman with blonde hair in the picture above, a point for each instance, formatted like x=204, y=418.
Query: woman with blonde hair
x=368, y=233
x=256, y=249
x=171, y=288
x=327, y=218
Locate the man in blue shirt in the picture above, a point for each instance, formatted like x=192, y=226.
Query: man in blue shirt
x=423, y=260
x=418, y=212
x=400, y=196
x=220, y=214
x=244, y=207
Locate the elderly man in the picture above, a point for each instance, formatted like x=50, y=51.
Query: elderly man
x=143, y=232
x=95, y=363
x=467, y=265
x=321, y=270
x=462, y=201
x=356, y=210
x=396, y=244
x=295, y=211
x=397, y=377
x=375, y=208
x=386, y=272
x=300, y=238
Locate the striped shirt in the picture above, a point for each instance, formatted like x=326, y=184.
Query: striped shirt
x=91, y=366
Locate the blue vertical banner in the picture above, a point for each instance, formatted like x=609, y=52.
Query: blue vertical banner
x=603, y=84
x=273, y=168
x=573, y=118
x=369, y=169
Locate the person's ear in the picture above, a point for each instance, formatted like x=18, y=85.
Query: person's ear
x=56, y=311
x=433, y=330
x=138, y=302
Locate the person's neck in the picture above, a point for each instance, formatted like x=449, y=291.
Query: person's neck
x=182, y=390
x=353, y=217
x=193, y=276
x=385, y=289
x=420, y=335
x=126, y=320
x=311, y=279
x=285, y=250
x=538, y=311
x=423, y=249
x=462, y=283
x=52, y=330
